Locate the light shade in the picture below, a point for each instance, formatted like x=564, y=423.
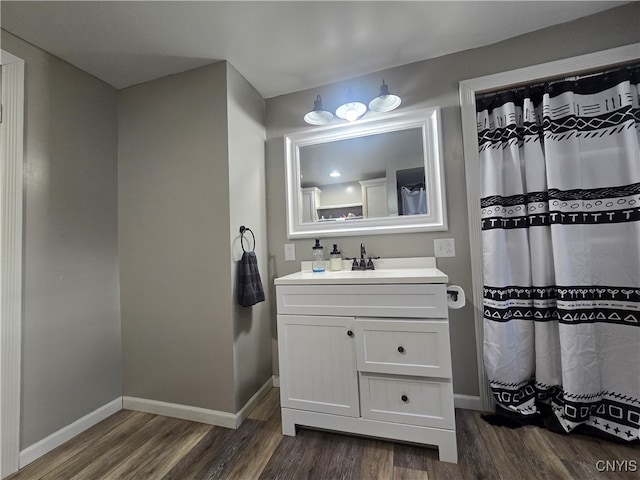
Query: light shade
x=352, y=109
x=386, y=101
x=318, y=116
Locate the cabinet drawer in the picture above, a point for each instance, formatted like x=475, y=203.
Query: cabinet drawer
x=404, y=347
x=414, y=401
x=376, y=300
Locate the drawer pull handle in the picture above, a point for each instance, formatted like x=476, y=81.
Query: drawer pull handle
x=401, y=349
x=350, y=333
x=404, y=398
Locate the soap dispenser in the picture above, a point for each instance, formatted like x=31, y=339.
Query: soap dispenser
x=335, y=259
x=318, y=257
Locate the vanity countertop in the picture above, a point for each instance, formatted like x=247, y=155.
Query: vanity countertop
x=406, y=270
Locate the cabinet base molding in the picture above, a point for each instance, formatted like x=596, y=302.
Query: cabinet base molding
x=445, y=440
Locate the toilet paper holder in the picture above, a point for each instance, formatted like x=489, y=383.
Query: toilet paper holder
x=455, y=297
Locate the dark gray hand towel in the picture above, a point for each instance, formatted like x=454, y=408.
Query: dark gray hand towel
x=250, y=289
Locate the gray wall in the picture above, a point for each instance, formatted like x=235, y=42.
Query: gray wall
x=191, y=160
x=71, y=357
x=423, y=84
x=174, y=240
x=247, y=206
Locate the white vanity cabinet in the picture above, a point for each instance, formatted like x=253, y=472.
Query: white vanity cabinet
x=367, y=353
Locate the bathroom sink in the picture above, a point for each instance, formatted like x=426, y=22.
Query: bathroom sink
x=390, y=270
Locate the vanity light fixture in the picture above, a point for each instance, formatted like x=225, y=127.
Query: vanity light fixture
x=386, y=101
x=318, y=116
x=352, y=109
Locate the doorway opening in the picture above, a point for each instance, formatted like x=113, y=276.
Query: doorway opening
x=491, y=83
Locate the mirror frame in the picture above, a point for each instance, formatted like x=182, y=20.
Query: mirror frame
x=428, y=120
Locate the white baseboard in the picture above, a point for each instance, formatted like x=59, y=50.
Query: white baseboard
x=276, y=381
x=197, y=414
x=468, y=402
x=253, y=402
x=56, y=439
x=184, y=412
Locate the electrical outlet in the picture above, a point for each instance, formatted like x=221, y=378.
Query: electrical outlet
x=289, y=252
x=444, y=247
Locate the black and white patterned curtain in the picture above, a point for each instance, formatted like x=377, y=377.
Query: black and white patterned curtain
x=560, y=206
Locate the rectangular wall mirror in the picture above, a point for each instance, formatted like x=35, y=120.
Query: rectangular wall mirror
x=383, y=175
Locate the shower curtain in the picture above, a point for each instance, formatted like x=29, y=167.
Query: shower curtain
x=560, y=213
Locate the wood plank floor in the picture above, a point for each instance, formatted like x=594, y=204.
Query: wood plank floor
x=141, y=446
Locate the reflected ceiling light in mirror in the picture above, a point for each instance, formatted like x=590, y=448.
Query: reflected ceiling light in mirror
x=334, y=173
x=318, y=116
x=352, y=109
x=386, y=101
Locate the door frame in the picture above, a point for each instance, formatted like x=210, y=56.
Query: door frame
x=11, y=186
x=499, y=81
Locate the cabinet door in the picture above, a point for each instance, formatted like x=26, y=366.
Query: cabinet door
x=318, y=364
x=308, y=208
x=310, y=202
x=374, y=194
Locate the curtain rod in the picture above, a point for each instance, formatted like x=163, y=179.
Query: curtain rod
x=552, y=80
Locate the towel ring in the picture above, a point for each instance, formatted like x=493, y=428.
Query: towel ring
x=242, y=230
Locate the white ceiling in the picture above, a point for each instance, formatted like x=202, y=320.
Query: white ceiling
x=279, y=47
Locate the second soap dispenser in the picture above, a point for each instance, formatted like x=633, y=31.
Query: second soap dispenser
x=335, y=259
